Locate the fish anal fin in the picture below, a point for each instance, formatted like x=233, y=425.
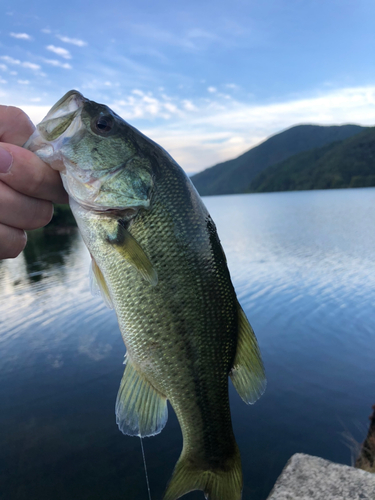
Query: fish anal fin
x=247, y=374
x=140, y=409
x=131, y=251
x=225, y=484
x=98, y=283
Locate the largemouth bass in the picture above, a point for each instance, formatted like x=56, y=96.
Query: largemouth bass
x=158, y=261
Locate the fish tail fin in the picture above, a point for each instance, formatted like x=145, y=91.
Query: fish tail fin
x=218, y=484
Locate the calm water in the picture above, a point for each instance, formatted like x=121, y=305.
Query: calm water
x=303, y=265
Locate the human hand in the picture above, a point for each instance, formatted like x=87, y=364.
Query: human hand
x=28, y=186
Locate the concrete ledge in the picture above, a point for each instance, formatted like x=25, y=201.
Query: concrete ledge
x=312, y=478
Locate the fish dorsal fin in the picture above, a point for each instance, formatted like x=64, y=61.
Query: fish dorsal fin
x=132, y=252
x=141, y=410
x=247, y=374
x=97, y=282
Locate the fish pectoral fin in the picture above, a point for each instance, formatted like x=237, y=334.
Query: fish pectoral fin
x=141, y=410
x=97, y=282
x=219, y=484
x=131, y=251
x=247, y=374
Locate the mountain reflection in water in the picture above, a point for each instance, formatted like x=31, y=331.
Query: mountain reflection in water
x=304, y=269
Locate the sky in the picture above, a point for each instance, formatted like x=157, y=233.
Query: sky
x=206, y=79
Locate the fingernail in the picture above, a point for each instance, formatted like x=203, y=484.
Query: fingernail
x=6, y=160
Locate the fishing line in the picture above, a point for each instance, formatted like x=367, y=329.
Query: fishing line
x=144, y=463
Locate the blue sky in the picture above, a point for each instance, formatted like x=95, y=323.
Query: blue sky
x=205, y=79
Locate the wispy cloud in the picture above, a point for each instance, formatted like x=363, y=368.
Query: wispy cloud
x=195, y=39
x=3, y=67
x=30, y=65
x=188, y=105
x=46, y=30
x=21, y=36
x=142, y=105
x=199, y=133
x=73, y=41
x=2, y=80
x=54, y=62
x=10, y=60
x=23, y=82
x=212, y=89
x=17, y=62
x=60, y=51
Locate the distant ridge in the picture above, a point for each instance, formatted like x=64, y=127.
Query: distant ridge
x=342, y=164
x=235, y=176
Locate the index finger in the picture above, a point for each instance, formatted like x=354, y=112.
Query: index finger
x=31, y=176
x=15, y=126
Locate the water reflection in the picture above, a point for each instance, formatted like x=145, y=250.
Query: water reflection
x=304, y=269
x=46, y=249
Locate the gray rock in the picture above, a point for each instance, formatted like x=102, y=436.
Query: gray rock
x=312, y=478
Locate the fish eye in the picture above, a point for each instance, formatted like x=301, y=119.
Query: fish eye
x=103, y=125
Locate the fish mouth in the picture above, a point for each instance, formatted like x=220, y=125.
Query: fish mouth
x=61, y=116
x=62, y=122
x=69, y=103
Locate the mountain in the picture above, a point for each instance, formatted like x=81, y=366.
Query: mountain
x=348, y=163
x=234, y=176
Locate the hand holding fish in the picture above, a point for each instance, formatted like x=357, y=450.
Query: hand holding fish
x=27, y=185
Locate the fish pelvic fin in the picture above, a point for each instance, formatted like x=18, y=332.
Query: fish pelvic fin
x=97, y=282
x=219, y=484
x=247, y=374
x=141, y=410
x=130, y=250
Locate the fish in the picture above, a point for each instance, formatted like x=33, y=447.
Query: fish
x=158, y=262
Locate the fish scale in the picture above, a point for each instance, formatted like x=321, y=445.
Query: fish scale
x=158, y=262
x=180, y=354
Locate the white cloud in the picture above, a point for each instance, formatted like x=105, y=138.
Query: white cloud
x=2, y=80
x=21, y=36
x=54, y=62
x=3, y=67
x=73, y=41
x=141, y=105
x=212, y=89
x=170, y=107
x=46, y=30
x=10, y=60
x=199, y=134
x=59, y=51
x=30, y=65
x=188, y=105
x=35, y=112
x=17, y=62
x=23, y=82
x=219, y=131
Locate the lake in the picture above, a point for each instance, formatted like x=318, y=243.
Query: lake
x=303, y=265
